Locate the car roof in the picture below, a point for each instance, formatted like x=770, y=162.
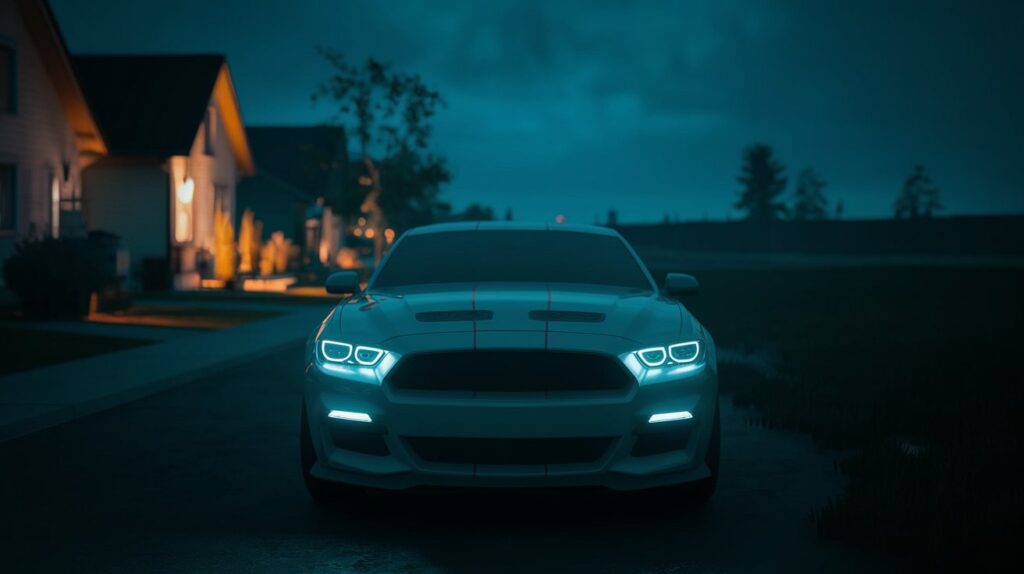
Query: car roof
x=510, y=226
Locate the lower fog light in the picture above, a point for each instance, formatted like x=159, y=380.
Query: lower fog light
x=666, y=417
x=350, y=416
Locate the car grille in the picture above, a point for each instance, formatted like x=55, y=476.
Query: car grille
x=508, y=371
x=509, y=451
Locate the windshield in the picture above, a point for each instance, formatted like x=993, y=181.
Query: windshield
x=516, y=256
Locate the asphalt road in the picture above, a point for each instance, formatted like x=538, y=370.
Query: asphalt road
x=205, y=478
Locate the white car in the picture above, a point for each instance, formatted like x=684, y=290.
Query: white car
x=510, y=355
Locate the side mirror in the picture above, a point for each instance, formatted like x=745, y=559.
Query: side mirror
x=681, y=284
x=343, y=282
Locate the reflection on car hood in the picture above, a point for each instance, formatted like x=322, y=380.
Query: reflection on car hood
x=485, y=310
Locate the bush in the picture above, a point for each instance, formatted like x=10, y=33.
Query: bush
x=54, y=278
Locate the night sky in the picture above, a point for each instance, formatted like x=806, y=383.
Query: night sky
x=577, y=107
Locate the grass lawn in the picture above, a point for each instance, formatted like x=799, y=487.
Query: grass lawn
x=25, y=349
x=182, y=316
x=915, y=371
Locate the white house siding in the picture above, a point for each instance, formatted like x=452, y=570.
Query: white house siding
x=208, y=171
x=132, y=202
x=136, y=201
x=37, y=139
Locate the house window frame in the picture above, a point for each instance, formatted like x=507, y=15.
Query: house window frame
x=9, y=45
x=54, y=193
x=12, y=227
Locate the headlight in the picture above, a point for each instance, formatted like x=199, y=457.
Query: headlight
x=678, y=353
x=335, y=352
x=684, y=352
x=346, y=353
x=653, y=357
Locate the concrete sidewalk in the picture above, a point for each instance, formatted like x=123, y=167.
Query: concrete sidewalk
x=143, y=332
x=41, y=398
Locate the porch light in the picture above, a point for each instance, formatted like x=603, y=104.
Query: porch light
x=186, y=190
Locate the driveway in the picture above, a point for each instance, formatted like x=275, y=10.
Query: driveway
x=205, y=477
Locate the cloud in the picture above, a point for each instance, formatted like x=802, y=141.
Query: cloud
x=572, y=105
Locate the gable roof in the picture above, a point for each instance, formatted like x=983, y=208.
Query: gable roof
x=263, y=181
x=153, y=105
x=297, y=154
x=46, y=36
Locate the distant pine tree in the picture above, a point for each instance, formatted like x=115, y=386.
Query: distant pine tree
x=919, y=197
x=508, y=214
x=809, y=201
x=763, y=182
x=839, y=209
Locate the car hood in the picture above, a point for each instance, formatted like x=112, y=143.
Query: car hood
x=520, y=315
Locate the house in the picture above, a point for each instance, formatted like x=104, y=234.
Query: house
x=177, y=150
x=278, y=205
x=298, y=167
x=47, y=132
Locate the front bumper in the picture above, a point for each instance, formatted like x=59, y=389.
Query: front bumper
x=385, y=453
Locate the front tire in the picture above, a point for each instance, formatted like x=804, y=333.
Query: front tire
x=323, y=492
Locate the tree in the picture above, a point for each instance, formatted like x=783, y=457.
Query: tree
x=388, y=115
x=763, y=182
x=475, y=212
x=809, y=201
x=839, y=209
x=919, y=198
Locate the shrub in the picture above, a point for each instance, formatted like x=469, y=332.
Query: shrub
x=53, y=278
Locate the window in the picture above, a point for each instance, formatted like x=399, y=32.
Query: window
x=8, y=185
x=54, y=205
x=183, y=196
x=512, y=256
x=71, y=198
x=209, y=130
x=8, y=85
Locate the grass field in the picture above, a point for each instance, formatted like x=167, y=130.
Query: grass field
x=182, y=316
x=915, y=372
x=25, y=349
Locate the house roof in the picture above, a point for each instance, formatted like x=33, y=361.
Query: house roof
x=266, y=182
x=42, y=28
x=299, y=155
x=153, y=105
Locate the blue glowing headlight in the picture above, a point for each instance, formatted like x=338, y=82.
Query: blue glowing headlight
x=653, y=357
x=346, y=353
x=368, y=356
x=335, y=352
x=679, y=353
x=684, y=352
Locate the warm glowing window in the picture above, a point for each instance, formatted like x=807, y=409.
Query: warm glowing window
x=8, y=181
x=183, y=223
x=8, y=94
x=54, y=205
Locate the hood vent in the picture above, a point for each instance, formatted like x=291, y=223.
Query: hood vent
x=445, y=316
x=567, y=316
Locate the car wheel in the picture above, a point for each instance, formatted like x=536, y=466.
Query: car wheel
x=323, y=492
